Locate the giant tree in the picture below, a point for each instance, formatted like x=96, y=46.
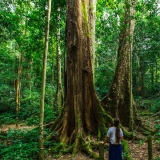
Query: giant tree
x=119, y=101
x=81, y=113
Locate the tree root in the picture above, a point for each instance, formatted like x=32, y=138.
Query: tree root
x=77, y=140
x=88, y=148
x=147, y=131
x=130, y=135
x=83, y=144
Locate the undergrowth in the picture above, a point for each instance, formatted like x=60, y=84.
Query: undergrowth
x=22, y=145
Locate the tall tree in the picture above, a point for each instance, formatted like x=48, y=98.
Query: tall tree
x=59, y=98
x=18, y=83
x=119, y=100
x=80, y=115
x=20, y=70
x=41, y=115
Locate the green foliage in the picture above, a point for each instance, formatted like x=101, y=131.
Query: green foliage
x=126, y=152
x=156, y=158
x=141, y=142
x=33, y=119
x=106, y=48
x=23, y=144
x=20, y=145
x=156, y=106
x=7, y=118
x=146, y=53
x=22, y=31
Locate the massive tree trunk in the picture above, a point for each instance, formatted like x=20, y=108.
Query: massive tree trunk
x=119, y=101
x=81, y=113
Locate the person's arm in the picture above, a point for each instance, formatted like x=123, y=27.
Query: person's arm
x=106, y=140
x=121, y=138
x=107, y=137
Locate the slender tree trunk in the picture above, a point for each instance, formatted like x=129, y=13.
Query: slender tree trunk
x=53, y=51
x=152, y=74
x=141, y=79
x=18, y=80
x=156, y=76
x=30, y=79
x=18, y=84
x=52, y=80
x=41, y=119
x=140, y=88
x=59, y=98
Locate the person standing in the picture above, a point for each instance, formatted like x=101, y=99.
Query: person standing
x=114, y=136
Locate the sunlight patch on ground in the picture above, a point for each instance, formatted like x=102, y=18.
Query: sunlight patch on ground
x=6, y=128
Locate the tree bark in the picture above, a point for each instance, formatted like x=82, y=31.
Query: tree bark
x=18, y=81
x=81, y=113
x=59, y=98
x=140, y=88
x=119, y=101
x=19, y=75
x=41, y=115
x=52, y=100
x=92, y=19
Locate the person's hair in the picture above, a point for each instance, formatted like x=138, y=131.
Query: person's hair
x=116, y=124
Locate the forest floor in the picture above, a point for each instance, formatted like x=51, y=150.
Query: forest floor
x=138, y=149
x=138, y=152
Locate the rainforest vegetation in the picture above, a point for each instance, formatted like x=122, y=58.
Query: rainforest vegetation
x=68, y=68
